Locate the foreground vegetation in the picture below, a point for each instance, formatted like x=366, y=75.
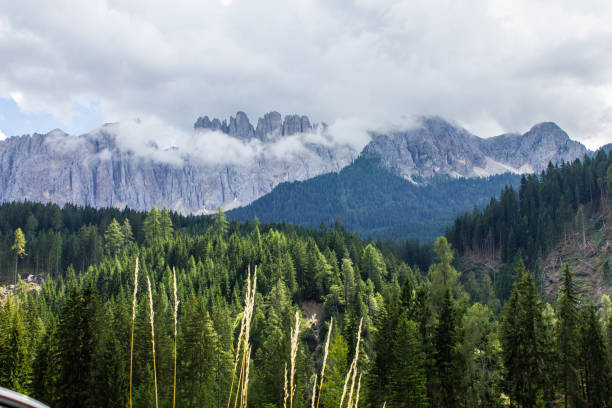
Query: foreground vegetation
x=409, y=330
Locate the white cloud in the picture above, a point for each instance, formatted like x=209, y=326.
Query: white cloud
x=2, y=135
x=491, y=65
x=151, y=138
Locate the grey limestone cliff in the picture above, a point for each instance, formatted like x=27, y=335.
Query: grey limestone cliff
x=436, y=146
x=100, y=169
x=94, y=169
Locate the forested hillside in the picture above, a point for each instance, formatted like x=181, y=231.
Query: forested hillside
x=554, y=208
x=401, y=336
x=374, y=202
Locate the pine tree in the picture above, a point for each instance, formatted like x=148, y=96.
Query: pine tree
x=44, y=367
x=383, y=360
x=373, y=266
x=19, y=248
x=114, y=237
x=220, y=224
x=407, y=386
x=197, y=350
x=595, y=360
x=152, y=226
x=126, y=229
x=447, y=366
x=482, y=356
x=76, y=341
x=567, y=338
x=522, y=339
x=442, y=275
x=14, y=362
x=165, y=224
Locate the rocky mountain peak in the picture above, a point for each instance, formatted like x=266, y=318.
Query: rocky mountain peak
x=240, y=127
x=270, y=124
x=436, y=146
x=547, y=131
x=269, y=127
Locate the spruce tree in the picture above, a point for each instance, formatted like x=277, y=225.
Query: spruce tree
x=165, y=224
x=220, y=224
x=126, y=229
x=114, y=238
x=152, y=226
x=447, y=366
x=522, y=339
x=567, y=337
x=373, y=266
x=407, y=386
x=18, y=248
x=442, y=274
x=384, y=359
x=197, y=349
x=44, y=367
x=595, y=360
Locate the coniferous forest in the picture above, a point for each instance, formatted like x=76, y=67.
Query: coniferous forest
x=222, y=313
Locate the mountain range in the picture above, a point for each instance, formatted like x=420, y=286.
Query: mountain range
x=107, y=168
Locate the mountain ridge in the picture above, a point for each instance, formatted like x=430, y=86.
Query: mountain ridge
x=102, y=169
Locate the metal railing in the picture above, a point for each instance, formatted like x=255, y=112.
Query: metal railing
x=12, y=399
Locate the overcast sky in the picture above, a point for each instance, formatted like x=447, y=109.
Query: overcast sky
x=492, y=65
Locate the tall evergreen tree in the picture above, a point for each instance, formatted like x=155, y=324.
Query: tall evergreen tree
x=448, y=369
x=522, y=342
x=114, y=238
x=76, y=342
x=220, y=224
x=442, y=274
x=126, y=229
x=384, y=358
x=567, y=338
x=152, y=225
x=407, y=386
x=165, y=224
x=595, y=360
x=18, y=248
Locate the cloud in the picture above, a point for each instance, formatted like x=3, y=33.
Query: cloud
x=151, y=138
x=491, y=65
x=2, y=135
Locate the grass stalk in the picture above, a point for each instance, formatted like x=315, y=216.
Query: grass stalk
x=314, y=390
x=286, y=392
x=133, y=321
x=331, y=325
x=243, y=347
x=355, y=361
x=245, y=386
x=152, y=338
x=242, y=327
x=346, y=380
x=176, y=303
x=358, y=391
x=294, y=347
x=352, y=372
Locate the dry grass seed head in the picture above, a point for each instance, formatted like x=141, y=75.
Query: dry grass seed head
x=152, y=336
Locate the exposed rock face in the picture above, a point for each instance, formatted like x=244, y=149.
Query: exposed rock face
x=606, y=148
x=269, y=127
x=271, y=124
x=545, y=142
x=436, y=146
x=93, y=170
x=96, y=169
